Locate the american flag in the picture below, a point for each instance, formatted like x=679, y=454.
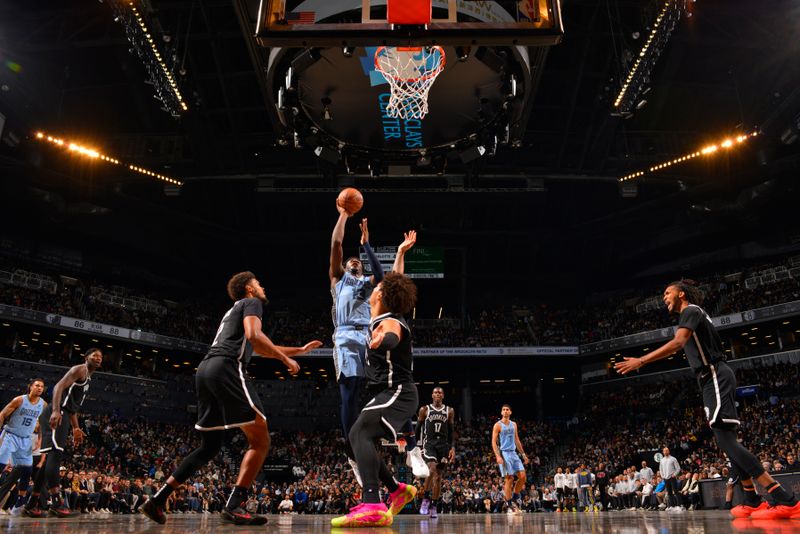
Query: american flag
x=301, y=17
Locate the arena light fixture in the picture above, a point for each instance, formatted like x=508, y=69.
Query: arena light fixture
x=143, y=43
x=709, y=150
x=635, y=82
x=93, y=153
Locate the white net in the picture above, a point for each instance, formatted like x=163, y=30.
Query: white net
x=410, y=73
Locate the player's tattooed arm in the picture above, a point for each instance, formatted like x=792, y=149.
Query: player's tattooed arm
x=669, y=348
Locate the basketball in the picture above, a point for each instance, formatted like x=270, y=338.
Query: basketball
x=351, y=200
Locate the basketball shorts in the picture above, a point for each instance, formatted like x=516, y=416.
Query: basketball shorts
x=54, y=438
x=437, y=451
x=511, y=464
x=349, y=350
x=718, y=384
x=392, y=408
x=15, y=450
x=226, y=397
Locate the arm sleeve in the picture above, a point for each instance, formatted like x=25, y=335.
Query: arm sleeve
x=252, y=307
x=374, y=264
x=690, y=318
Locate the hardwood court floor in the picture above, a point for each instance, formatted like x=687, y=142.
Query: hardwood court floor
x=701, y=522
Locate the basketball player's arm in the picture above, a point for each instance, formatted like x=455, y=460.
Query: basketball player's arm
x=669, y=348
x=78, y=372
x=410, y=238
x=264, y=346
x=388, y=334
x=374, y=263
x=423, y=413
x=495, y=446
x=519, y=446
x=299, y=351
x=336, y=271
x=10, y=408
x=451, y=420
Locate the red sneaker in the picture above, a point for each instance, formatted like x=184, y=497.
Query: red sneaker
x=779, y=511
x=744, y=510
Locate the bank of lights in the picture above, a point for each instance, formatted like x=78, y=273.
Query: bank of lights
x=708, y=150
x=158, y=57
x=95, y=154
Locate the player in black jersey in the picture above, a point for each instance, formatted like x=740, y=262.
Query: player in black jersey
x=54, y=422
x=390, y=382
x=435, y=432
x=700, y=341
x=226, y=398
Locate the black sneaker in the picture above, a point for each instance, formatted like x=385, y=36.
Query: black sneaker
x=62, y=511
x=240, y=516
x=154, y=511
x=34, y=512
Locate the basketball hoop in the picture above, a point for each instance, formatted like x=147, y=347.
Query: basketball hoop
x=410, y=72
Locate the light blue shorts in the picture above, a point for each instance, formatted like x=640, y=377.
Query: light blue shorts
x=15, y=450
x=511, y=464
x=350, y=351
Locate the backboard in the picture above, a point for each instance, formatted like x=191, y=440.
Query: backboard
x=340, y=23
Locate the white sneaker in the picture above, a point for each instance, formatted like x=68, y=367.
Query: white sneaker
x=417, y=464
x=17, y=510
x=354, y=465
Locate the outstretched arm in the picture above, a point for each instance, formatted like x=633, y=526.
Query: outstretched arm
x=410, y=238
x=264, y=346
x=336, y=271
x=669, y=348
x=299, y=351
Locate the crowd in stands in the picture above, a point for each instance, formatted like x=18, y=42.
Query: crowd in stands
x=540, y=324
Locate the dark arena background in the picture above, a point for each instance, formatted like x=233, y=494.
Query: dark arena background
x=577, y=157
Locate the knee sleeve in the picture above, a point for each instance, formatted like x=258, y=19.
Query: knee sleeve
x=745, y=461
x=210, y=445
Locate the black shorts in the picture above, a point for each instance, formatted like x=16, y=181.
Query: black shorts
x=53, y=438
x=392, y=408
x=437, y=451
x=718, y=384
x=226, y=398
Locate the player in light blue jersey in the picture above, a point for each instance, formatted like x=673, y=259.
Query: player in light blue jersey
x=21, y=420
x=505, y=443
x=351, y=290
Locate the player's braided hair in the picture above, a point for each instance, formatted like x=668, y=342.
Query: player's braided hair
x=399, y=293
x=237, y=283
x=690, y=289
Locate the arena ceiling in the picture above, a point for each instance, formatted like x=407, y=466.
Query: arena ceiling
x=731, y=67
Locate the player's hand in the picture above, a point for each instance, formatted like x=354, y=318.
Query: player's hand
x=364, y=231
x=341, y=209
x=377, y=339
x=55, y=419
x=525, y=459
x=630, y=364
x=410, y=238
x=293, y=366
x=77, y=436
x=451, y=456
x=308, y=347
x=499, y=460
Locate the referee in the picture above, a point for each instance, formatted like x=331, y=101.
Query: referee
x=700, y=341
